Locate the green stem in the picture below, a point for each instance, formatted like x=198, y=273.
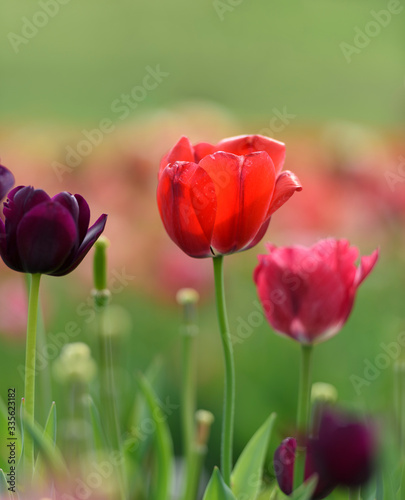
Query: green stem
x=187, y=398
x=194, y=472
x=304, y=396
x=30, y=359
x=229, y=390
x=108, y=393
x=108, y=396
x=354, y=494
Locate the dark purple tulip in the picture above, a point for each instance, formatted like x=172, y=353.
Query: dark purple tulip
x=284, y=459
x=6, y=181
x=345, y=449
x=46, y=235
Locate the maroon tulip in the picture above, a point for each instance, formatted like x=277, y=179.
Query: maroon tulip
x=343, y=454
x=345, y=450
x=46, y=235
x=6, y=181
x=218, y=199
x=308, y=293
x=284, y=461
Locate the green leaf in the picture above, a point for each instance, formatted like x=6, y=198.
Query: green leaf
x=50, y=426
x=304, y=492
x=401, y=491
x=247, y=473
x=49, y=433
x=47, y=449
x=4, y=486
x=217, y=489
x=162, y=438
x=99, y=440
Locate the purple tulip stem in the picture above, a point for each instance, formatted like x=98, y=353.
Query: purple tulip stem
x=304, y=396
x=229, y=390
x=30, y=360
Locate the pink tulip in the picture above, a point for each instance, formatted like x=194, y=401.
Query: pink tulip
x=308, y=293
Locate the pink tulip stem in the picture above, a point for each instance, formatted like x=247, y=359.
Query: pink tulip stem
x=229, y=390
x=30, y=361
x=304, y=397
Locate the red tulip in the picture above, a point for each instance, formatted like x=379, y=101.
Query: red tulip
x=308, y=293
x=216, y=200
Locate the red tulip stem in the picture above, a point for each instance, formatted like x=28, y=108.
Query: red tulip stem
x=304, y=397
x=229, y=389
x=29, y=377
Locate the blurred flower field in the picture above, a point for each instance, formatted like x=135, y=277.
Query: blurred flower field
x=353, y=181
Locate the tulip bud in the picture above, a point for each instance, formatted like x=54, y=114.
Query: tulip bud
x=100, y=263
x=204, y=420
x=324, y=393
x=188, y=299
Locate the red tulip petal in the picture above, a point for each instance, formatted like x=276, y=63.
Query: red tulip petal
x=260, y=234
x=286, y=185
x=245, y=144
x=243, y=186
x=45, y=237
x=181, y=151
x=367, y=263
x=188, y=206
x=203, y=149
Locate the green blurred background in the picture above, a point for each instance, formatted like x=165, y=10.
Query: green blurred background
x=248, y=61
x=248, y=56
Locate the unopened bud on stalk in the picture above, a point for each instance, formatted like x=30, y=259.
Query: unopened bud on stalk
x=188, y=299
x=75, y=364
x=323, y=393
x=204, y=420
x=322, y=396
x=101, y=294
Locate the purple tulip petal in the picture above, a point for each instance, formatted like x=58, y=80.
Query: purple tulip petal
x=6, y=181
x=84, y=217
x=91, y=237
x=69, y=202
x=45, y=237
